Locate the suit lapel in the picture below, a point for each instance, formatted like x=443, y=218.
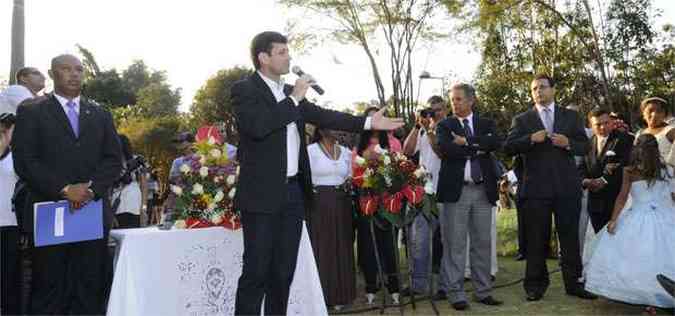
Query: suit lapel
x=474, y=121
x=56, y=110
x=86, y=119
x=269, y=96
x=535, y=119
x=558, y=118
x=594, y=150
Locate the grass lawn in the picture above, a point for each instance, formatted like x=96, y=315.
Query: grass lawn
x=555, y=302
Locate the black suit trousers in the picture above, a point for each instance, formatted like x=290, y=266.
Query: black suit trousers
x=53, y=293
x=271, y=242
x=601, y=212
x=537, y=218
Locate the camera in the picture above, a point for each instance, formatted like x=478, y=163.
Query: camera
x=427, y=113
x=132, y=165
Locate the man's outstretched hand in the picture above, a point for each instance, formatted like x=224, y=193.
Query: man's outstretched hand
x=382, y=123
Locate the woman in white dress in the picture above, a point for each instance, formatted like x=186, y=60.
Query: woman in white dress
x=636, y=246
x=654, y=112
x=330, y=221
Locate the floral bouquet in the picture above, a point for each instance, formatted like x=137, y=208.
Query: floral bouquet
x=207, y=185
x=385, y=179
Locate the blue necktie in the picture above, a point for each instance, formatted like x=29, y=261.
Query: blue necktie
x=73, y=118
x=475, y=166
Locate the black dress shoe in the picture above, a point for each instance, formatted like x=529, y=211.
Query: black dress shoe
x=440, y=296
x=533, y=297
x=408, y=292
x=520, y=257
x=667, y=284
x=490, y=301
x=460, y=306
x=581, y=293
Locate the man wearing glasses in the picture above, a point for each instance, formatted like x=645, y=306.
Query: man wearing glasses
x=422, y=139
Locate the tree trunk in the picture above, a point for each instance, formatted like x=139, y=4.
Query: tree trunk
x=18, y=40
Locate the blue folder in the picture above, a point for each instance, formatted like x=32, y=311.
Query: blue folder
x=54, y=223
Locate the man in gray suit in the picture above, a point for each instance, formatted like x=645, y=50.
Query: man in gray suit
x=467, y=187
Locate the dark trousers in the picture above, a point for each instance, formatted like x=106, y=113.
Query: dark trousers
x=386, y=244
x=10, y=264
x=128, y=220
x=520, y=214
x=538, y=229
x=522, y=239
x=600, y=212
x=271, y=242
x=69, y=278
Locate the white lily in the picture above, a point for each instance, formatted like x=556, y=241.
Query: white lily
x=232, y=193
x=219, y=196
x=185, y=168
x=180, y=224
x=197, y=189
x=215, y=153
x=176, y=190
x=230, y=180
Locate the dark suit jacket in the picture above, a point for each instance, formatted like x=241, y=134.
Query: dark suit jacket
x=548, y=171
x=48, y=156
x=261, y=122
x=453, y=163
x=593, y=167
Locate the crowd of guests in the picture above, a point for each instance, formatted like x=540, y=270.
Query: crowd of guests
x=63, y=146
x=559, y=165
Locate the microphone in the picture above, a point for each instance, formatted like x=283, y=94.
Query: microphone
x=296, y=70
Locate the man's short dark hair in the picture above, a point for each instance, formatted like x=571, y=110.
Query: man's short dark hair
x=262, y=43
x=546, y=77
x=597, y=112
x=25, y=71
x=435, y=99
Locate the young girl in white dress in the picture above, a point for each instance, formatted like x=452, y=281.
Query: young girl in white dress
x=639, y=241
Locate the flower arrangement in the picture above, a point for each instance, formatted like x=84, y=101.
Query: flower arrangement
x=207, y=186
x=385, y=179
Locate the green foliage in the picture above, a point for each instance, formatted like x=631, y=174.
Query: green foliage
x=151, y=137
x=212, y=103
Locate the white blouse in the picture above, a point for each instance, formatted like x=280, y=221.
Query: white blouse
x=326, y=171
x=8, y=179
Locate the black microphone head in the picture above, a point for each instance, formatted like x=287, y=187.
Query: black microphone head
x=296, y=70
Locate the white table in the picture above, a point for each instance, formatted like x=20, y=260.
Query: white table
x=195, y=272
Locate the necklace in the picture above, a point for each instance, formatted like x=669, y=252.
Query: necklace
x=331, y=155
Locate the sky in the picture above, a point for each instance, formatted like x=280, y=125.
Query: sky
x=192, y=40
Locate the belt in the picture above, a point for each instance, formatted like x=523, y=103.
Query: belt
x=473, y=183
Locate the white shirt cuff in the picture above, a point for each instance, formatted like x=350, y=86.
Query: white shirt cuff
x=368, y=125
x=294, y=100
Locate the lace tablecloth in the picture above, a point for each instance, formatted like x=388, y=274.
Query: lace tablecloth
x=195, y=272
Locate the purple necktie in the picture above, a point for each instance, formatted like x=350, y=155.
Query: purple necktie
x=73, y=117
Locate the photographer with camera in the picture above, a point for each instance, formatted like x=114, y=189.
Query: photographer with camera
x=422, y=139
x=131, y=190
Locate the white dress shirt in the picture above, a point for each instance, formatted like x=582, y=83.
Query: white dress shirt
x=292, y=134
x=8, y=179
x=63, y=101
x=600, y=141
x=467, y=167
x=428, y=157
x=13, y=96
x=326, y=171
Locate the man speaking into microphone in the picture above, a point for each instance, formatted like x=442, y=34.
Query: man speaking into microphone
x=275, y=180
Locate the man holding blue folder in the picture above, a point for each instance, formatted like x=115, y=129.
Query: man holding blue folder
x=65, y=148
